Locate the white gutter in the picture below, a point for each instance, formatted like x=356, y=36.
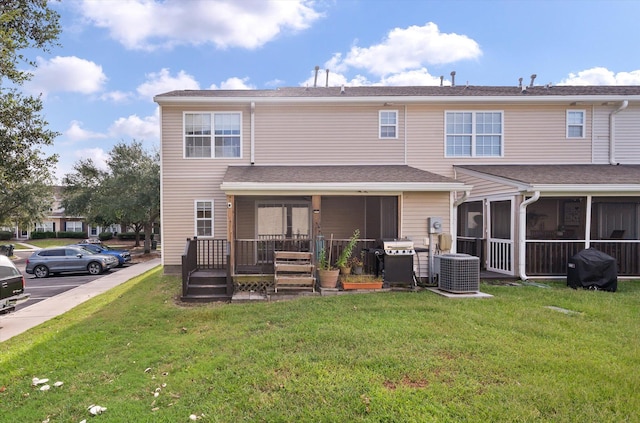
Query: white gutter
x=612, y=127
x=405, y=134
x=426, y=99
x=361, y=187
x=522, y=234
x=253, y=132
x=454, y=219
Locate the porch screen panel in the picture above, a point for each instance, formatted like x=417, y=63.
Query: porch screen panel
x=470, y=219
x=300, y=221
x=616, y=217
x=270, y=221
x=501, y=219
x=389, y=217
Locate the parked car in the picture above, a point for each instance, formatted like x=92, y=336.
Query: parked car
x=123, y=256
x=53, y=260
x=11, y=286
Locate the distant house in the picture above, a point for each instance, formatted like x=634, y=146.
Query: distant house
x=521, y=176
x=58, y=221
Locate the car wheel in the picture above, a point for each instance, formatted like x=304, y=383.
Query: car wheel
x=41, y=271
x=94, y=268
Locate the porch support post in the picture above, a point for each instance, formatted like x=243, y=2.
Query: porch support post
x=316, y=204
x=522, y=233
x=231, y=233
x=587, y=226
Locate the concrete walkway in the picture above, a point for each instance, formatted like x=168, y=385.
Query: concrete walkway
x=13, y=324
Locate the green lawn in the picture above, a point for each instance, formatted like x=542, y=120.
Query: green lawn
x=392, y=357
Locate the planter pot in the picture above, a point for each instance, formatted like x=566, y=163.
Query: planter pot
x=361, y=285
x=345, y=270
x=356, y=270
x=328, y=278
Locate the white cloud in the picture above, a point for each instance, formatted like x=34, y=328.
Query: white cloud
x=602, y=76
x=134, y=127
x=116, y=96
x=233, y=83
x=76, y=133
x=66, y=74
x=98, y=155
x=149, y=25
x=162, y=82
x=412, y=48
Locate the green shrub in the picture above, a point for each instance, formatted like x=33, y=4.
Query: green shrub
x=68, y=234
x=5, y=235
x=129, y=236
x=105, y=236
x=43, y=235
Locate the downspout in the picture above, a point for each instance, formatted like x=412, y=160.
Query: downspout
x=253, y=132
x=612, y=127
x=405, y=134
x=454, y=220
x=522, y=234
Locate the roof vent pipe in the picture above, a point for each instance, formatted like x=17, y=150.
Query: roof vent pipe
x=441, y=80
x=315, y=80
x=453, y=78
x=533, y=77
x=519, y=82
x=342, y=90
x=327, y=83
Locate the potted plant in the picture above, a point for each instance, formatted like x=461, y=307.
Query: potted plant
x=350, y=282
x=343, y=261
x=327, y=274
x=357, y=264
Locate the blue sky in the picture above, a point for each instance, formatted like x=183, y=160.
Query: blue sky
x=115, y=55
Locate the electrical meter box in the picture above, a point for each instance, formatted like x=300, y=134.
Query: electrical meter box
x=435, y=225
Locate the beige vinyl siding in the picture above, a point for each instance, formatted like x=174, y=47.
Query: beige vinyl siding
x=601, y=134
x=484, y=188
x=417, y=207
x=324, y=134
x=627, y=136
x=532, y=134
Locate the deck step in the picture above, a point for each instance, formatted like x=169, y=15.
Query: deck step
x=190, y=298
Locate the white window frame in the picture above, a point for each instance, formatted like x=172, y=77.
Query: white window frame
x=582, y=125
x=74, y=224
x=211, y=134
x=44, y=227
x=197, y=219
x=385, y=125
x=474, y=133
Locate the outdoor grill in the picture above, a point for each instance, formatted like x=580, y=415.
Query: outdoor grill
x=397, y=260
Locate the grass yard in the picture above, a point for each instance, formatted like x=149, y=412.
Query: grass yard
x=393, y=357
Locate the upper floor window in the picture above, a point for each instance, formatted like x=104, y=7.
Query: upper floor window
x=204, y=217
x=473, y=134
x=212, y=134
x=575, y=123
x=388, y=124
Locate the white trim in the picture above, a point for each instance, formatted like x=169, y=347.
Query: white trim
x=195, y=217
x=474, y=134
x=357, y=188
x=584, y=124
x=212, y=135
x=425, y=99
x=395, y=125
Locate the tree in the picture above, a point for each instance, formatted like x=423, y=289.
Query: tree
x=128, y=193
x=25, y=171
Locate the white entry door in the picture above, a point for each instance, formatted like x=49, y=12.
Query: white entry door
x=500, y=241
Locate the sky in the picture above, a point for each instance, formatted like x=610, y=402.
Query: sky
x=116, y=55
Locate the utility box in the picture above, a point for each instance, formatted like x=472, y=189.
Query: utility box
x=434, y=225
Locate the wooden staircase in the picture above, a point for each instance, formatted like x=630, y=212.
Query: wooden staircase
x=206, y=286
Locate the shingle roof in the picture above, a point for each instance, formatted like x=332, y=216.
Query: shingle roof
x=332, y=174
x=414, y=91
x=577, y=174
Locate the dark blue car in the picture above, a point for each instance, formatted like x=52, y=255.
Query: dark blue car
x=123, y=256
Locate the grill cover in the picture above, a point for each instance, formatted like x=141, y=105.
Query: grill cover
x=592, y=269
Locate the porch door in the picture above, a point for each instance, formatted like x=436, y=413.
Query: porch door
x=280, y=226
x=500, y=242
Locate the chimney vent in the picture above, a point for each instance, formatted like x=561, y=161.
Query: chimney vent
x=327, y=83
x=315, y=80
x=342, y=90
x=453, y=78
x=441, y=79
x=533, y=77
x=519, y=82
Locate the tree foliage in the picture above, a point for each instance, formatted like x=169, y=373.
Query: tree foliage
x=128, y=193
x=25, y=171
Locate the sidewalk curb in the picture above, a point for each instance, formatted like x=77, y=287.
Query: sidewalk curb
x=22, y=320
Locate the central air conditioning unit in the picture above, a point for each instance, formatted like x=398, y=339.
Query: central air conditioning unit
x=458, y=273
